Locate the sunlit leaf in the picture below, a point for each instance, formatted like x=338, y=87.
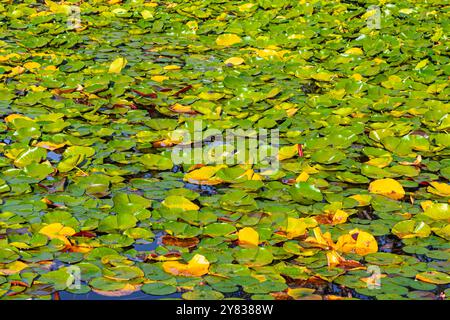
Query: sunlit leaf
x=387, y=187
x=196, y=267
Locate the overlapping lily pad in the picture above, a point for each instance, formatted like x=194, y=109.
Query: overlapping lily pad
x=91, y=199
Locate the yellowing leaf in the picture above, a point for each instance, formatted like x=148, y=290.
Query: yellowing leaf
x=363, y=199
x=271, y=51
x=437, y=211
x=196, y=267
x=38, y=88
x=182, y=109
x=323, y=76
x=411, y=229
x=297, y=227
x=179, y=202
x=354, y=51
x=235, y=61
x=248, y=237
x=204, y=175
x=13, y=268
x=380, y=162
x=369, y=13
x=340, y=216
x=9, y=56
x=421, y=64
x=416, y=162
x=246, y=7
x=228, y=39
x=437, y=88
x=443, y=232
x=20, y=245
x=387, y=187
x=58, y=8
x=322, y=240
x=435, y=277
x=193, y=25
x=287, y=152
x=311, y=170
x=358, y=242
x=302, y=177
x=172, y=67
x=426, y=204
x=81, y=248
x=291, y=112
x=146, y=14
x=334, y=259
x=119, y=11
x=212, y=96
x=298, y=293
x=406, y=11
x=251, y=175
x=17, y=70
x=297, y=36
x=334, y=217
x=50, y=145
x=441, y=189
x=357, y=77
x=58, y=231
x=13, y=116
x=117, y=65
x=31, y=65
x=159, y=78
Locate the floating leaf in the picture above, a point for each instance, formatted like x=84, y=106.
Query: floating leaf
x=179, y=202
x=297, y=227
x=287, y=152
x=196, y=267
x=30, y=156
x=437, y=211
x=441, y=189
x=204, y=175
x=387, y=187
x=235, y=61
x=117, y=65
x=248, y=236
x=228, y=39
x=57, y=231
x=358, y=242
x=435, y=277
x=410, y=229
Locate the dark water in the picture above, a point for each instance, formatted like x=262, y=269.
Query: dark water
x=63, y=295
